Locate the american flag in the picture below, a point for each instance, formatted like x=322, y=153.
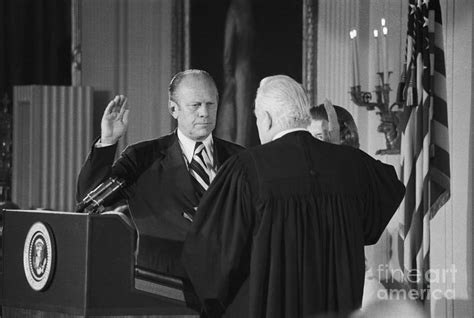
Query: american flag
x=425, y=139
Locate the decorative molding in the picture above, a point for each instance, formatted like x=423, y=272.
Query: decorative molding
x=76, y=42
x=6, y=121
x=310, y=37
x=187, y=34
x=181, y=40
x=179, y=35
x=176, y=34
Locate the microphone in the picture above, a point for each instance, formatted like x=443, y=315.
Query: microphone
x=94, y=200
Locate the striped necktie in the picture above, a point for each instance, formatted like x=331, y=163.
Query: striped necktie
x=198, y=168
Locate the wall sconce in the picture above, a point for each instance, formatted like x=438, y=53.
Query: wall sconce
x=389, y=114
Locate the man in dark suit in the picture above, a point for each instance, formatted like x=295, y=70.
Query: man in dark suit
x=281, y=231
x=165, y=177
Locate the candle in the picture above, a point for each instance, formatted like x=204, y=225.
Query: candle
x=351, y=35
x=356, y=45
x=385, y=55
x=377, y=53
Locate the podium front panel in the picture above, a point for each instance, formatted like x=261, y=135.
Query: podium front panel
x=66, y=292
x=93, y=270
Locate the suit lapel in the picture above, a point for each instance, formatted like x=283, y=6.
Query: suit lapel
x=175, y=169
x=174, y=166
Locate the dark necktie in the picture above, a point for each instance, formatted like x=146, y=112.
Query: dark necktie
x=198, y=169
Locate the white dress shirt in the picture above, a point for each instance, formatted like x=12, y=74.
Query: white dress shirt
x=187, y=148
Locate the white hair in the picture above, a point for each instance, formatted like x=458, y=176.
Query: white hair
x=285, y=100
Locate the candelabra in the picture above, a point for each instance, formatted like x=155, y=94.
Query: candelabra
x=389, y=114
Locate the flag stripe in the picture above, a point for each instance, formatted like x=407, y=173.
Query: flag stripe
x=441, y=161
x=440, y=137
x=425, y=139
x=409, y=202
x=439, y=178
x=439, y=111
x=439, y=54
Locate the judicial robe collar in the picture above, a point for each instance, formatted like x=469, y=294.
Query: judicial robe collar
x=287, y=131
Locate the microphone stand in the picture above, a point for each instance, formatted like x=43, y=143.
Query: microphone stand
x=93, y=203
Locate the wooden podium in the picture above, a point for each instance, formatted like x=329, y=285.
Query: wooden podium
x=92, y=271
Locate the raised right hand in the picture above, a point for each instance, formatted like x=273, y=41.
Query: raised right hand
x=115, y=120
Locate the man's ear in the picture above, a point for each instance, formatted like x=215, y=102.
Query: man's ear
x=268, y=120
x=173, y=109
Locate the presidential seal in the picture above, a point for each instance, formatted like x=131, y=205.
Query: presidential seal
x=39, y=256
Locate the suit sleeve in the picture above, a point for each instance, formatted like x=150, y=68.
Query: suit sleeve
x=100, y=165
x=216, y=251
x=96, y=168
x=384, y=194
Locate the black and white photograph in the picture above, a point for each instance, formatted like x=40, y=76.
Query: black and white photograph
x=236, y=158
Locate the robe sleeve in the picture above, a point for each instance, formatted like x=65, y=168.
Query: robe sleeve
x=384, y=194
x=216, y=251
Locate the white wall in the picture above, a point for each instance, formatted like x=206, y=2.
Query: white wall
x=336, y=19
x=126, y=49
x=452, y=227
x=451, y=232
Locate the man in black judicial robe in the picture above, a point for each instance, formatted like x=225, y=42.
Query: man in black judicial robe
x=281, y=231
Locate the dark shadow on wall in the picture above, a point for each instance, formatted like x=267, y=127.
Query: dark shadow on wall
x=277, y=49
x=278, y=29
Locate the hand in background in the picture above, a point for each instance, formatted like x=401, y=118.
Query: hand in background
x=114, y=122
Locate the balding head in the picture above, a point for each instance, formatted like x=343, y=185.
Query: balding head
x=191, y=73
x=281, y=104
